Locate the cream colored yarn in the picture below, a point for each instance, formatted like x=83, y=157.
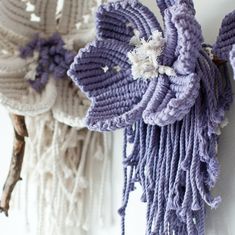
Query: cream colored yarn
x=20, y=20
x=69, y=170
x=66, y=170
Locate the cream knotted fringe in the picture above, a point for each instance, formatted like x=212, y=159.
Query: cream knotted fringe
x=67, y=175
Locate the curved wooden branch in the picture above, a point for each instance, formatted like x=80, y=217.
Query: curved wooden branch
x=20, y=132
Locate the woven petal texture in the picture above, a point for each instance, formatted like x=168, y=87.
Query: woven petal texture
x=71, y=105
x=108, y=111
x=164, y=4
x=226, y=38
x=15, y=94
x=20, y=20
x=117, y=20
x=161, y=100
x=175, y=95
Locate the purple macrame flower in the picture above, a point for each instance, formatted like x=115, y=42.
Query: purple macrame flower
x=224, y=47
x=136, y=73
x=53, y=59
x=104, y=72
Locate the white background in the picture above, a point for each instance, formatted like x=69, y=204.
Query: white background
x=219, y=222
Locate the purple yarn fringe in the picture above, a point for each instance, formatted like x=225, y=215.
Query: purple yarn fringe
x=176, y=165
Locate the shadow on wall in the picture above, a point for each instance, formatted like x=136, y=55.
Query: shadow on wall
x=210, y=14
x=221, y=220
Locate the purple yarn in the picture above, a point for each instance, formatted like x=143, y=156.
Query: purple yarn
x=226, y=38
x=225, y=44
x=172, y=122
x=176, y=165
x=53, y=59
x=162, y=100
x=164, y=4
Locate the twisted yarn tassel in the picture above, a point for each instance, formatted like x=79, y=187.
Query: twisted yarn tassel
x=69, y=171
x=176, y=165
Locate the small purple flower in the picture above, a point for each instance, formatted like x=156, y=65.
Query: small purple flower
x=53, y=59
x=109, y=69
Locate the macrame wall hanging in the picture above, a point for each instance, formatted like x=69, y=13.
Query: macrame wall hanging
x=163, y=86
x=65, y=164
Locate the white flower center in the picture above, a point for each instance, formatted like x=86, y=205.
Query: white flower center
x=144, y=58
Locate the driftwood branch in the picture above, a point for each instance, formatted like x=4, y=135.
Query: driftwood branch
x=218, y=61
x=20, y=132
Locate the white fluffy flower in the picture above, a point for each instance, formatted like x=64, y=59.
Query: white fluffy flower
x=144, y=58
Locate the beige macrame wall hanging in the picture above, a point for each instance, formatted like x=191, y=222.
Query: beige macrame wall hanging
x=65, y=166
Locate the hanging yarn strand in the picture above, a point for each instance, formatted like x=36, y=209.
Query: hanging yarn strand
x=185, y=167
x=65, y=170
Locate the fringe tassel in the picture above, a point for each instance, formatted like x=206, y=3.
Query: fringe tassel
x=176, y=165
x=66, y=174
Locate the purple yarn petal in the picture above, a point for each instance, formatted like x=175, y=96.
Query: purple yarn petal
x=172, y=100
x=180, y=92
x=164, y=4
x=188, y=41
x=183, y=39
x=109, y=111
x=117, y=20
x=226, y=38
x=174, y=96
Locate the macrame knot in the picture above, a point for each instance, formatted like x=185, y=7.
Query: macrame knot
x=145, y=57
x=46, y=57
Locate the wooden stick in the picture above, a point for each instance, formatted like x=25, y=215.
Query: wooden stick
x=218, y=61
x=20, y=132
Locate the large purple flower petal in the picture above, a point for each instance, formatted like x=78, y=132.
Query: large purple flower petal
x=172, y=99
x=118, y=20
x=183, y=39
x=117, y=99
x=102, y=71
x=164, y=4
x=174, y=96
x=226, y=38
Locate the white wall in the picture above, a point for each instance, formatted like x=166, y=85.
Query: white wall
x=221, y=221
